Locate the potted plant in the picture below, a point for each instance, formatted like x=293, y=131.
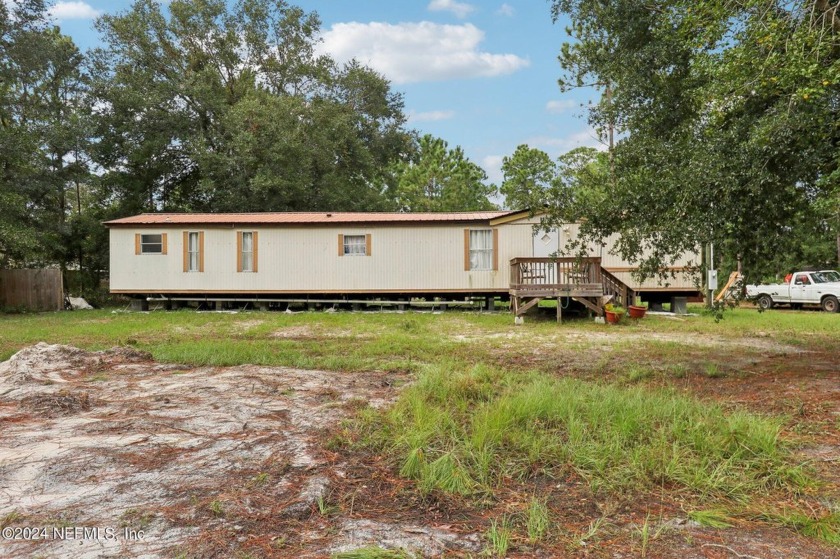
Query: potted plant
x=638, y=310
x=613, y=313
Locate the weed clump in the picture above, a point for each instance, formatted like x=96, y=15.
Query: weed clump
x=466, y=431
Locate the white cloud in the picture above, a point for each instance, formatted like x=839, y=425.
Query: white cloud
x=416, y=52
x=73, y=10
x=559, y=146
x=460, y=9
x=492, y=165
x=560, y=106
x=506, y=10
x=430, y=116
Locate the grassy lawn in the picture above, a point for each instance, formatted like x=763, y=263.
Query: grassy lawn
x=359, y=341
x=667, y=414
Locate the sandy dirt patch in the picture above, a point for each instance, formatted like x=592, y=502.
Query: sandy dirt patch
x=109, y=454
x=205, y=461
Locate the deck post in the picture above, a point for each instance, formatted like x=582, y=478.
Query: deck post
x=559, y=311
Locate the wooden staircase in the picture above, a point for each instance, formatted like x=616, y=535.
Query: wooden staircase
x=581, y=279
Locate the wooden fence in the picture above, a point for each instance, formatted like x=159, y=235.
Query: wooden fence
x=32, y=290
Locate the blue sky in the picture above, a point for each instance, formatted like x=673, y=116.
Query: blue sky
x=481, y=74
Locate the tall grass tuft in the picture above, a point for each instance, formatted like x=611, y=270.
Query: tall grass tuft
x=498, y=537
x=538, y=522
x=462, y=431
x=372, y=553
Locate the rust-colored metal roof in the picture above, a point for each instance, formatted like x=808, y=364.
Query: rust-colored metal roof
x=285, y=218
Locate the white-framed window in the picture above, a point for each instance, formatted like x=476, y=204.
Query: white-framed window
x=247, y=251
x=151, y=243
x=193, y=252
x=355, y=245
x=481, y=249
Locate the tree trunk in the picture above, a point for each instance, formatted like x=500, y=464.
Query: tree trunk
x=829, y=12
x=838, y=250
x=610, y=133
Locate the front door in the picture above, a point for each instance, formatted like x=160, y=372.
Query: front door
x=546, y=243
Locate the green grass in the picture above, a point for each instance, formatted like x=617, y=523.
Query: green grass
x=488, y=405
x=825, y=527
x=465, y=431
x=498, y=537
x=538, y=522
x=372, y=553
x=711, y=518
x=381, y=341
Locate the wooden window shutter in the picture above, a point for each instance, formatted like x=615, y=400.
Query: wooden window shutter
x=201, y=251
x=163, y=241
x=239, y=251
x=495, y=249
x=341, y=245
x=367, y=245
x=137, y=243
x=254, y=250
x=466, y=250
x=186, y=251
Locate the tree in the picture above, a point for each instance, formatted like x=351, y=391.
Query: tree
x=437, y=179
x=218, y=109
x=43, y=140
x=528, y=174
x=728, y=113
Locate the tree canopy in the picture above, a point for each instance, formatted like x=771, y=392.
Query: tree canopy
x=214, y=109
x=198, y=106
x=438, y=179
x=727, y=114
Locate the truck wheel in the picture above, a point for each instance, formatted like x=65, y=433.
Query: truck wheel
x=829, y=303
x=765, y=302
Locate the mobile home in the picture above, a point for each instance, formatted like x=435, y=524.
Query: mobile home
x=334, y=256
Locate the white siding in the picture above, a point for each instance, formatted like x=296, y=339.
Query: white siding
x=305, y=259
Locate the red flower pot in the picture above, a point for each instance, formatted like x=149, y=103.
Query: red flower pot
x=612, y=317
x=636, y=312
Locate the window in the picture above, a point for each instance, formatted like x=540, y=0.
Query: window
x=193, y=251
x=481, y=249
x=246, y=251
x=148, y=243
x=354, y=245
x=802, y=280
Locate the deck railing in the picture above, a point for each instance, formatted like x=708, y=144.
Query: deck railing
x=554, y=273
x=622, y=294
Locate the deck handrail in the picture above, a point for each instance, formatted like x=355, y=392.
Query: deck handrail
x=621, y=293
x=538, y=271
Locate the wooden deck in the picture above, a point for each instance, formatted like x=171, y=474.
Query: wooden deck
x=581, y=279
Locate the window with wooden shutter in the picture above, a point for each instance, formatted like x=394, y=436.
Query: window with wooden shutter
x=150, y=243
x=247, y=251
x=193, y=251
x=480, y=249
x=355, y=245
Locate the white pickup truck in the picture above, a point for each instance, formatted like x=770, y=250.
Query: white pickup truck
x=805, y=288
